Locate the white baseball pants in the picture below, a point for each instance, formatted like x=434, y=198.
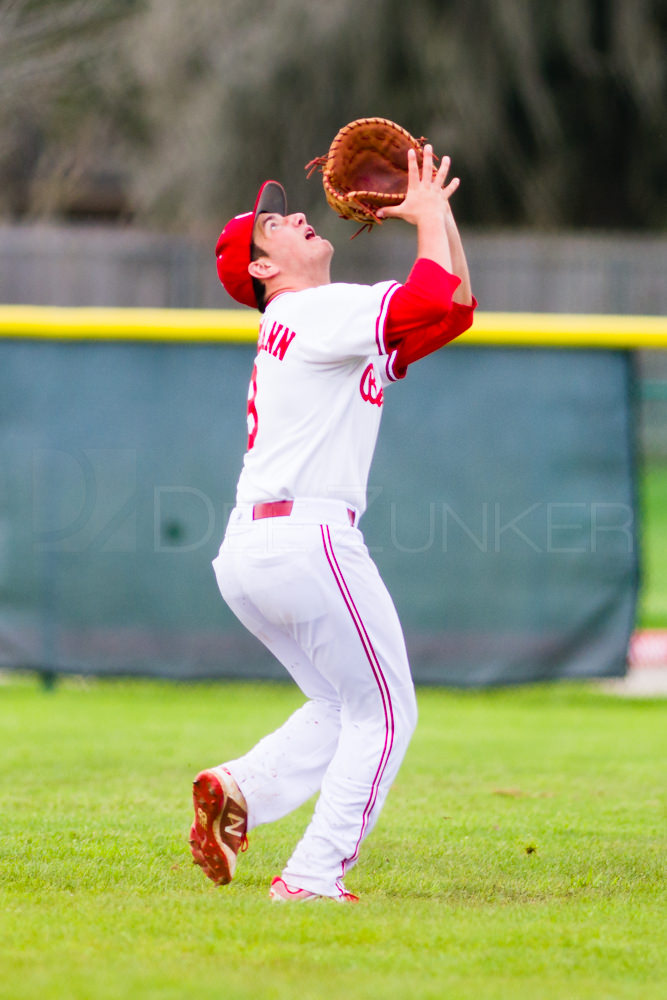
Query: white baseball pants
x=306, y=586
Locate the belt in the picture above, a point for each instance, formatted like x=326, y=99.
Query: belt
x=283, y=508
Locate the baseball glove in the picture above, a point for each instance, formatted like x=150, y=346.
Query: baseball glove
x=366, y=168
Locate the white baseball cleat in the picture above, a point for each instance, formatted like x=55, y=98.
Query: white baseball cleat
x=281, y=892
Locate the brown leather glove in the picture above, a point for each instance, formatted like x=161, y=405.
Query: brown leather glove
x=366, y=168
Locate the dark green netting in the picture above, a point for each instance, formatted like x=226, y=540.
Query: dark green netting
x=502, y=511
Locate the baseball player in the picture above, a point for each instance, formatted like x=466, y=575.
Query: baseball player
x=293, y=565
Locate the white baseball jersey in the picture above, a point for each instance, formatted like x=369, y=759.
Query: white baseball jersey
x=316, y=394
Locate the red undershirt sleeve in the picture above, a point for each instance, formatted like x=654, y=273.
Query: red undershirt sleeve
x=422, y=317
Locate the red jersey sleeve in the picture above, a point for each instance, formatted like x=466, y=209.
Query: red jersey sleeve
x=422, y=317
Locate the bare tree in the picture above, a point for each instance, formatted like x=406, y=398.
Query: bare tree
x=54, y=118
x=553, y=112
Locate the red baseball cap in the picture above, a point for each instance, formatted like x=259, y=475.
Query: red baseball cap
x=232, y=250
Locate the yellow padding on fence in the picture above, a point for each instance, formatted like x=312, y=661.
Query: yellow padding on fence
x=240, y=326
x=104, y=323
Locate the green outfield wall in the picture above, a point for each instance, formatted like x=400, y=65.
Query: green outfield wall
x=502, y=513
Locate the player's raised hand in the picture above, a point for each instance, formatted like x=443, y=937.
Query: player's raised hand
x=426, y=206
x=427, y=193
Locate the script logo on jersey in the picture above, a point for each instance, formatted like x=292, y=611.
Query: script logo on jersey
x=370, y=390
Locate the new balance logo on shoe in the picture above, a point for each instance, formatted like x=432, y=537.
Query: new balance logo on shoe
x=218, y=833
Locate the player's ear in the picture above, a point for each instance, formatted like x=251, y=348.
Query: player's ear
x=262, y=268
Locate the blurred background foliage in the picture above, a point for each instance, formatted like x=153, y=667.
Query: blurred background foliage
x=170, y=113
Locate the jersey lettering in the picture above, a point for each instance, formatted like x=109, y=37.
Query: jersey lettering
x=370, y=390
x=275, y=339
x=252, y=408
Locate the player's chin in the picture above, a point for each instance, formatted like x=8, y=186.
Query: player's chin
x=320, y=247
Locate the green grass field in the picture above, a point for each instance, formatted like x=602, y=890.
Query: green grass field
x=653, y=601
x=519, y=854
